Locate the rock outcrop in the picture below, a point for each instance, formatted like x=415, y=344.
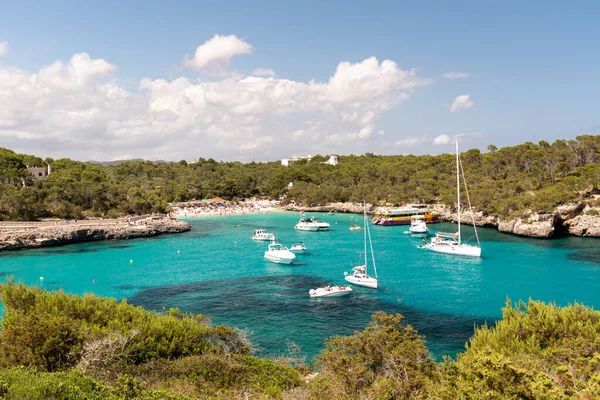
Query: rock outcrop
x=537, y=226
x=25, y=235
x=585, y=224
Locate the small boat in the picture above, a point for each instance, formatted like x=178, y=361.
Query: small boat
x=298, y=247
x=261, y=234
x=313, y=224
x=279, y=254
x=354, y=227
x=418, y=226
x=452, y=243
x=359, y=274
x=330, y=291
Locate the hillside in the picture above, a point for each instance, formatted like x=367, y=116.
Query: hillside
x=511, y=181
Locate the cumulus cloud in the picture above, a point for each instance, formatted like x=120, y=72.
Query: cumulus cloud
x=75, y=109
x=456, y=75
x=461, y=103
x=216, y=52
x=442, y=140
x=263, y=72
x=447, y=139
x=3, y=48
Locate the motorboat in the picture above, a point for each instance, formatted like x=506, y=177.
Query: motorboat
x=298, y=247
x=418, y=226
x=312, y=224
x=451, y=243
x=359, y=275
x=261, y=234
x=330, y=291
x=279, y=254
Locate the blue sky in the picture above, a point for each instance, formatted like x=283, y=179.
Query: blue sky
x=532, y=74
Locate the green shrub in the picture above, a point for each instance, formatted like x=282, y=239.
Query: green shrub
x=48, y=329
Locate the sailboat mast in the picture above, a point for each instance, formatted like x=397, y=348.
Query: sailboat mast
x=365, y=232
x=458, y=189
x=372, y=253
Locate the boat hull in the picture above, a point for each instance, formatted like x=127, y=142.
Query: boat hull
x=309, y=228
x=278, y=259
x=401, y=221
x=333, y=293
x=462, y=250
x=366, y=282
x=263, y=239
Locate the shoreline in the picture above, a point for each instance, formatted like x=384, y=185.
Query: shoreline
x=17, y=235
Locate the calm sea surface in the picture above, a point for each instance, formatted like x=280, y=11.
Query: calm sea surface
x=216, y=269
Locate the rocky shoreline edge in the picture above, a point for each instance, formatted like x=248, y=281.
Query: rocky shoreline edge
x=28, y=235
x=569, y=219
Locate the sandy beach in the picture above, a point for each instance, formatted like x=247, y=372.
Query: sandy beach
x=220, y=207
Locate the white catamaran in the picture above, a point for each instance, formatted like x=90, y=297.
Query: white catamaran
x=359, y=275
x=451, y=243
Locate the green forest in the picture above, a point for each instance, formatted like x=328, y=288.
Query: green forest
x=59, y=346
x=502, y=182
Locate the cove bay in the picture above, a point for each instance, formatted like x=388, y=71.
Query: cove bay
x=215, y=269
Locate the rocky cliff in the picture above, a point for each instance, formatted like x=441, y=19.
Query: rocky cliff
x=572, y=219
x=24, y=235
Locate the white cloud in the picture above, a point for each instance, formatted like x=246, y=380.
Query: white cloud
x=72, y=109
x=442, y=140
x=456, y=75
x=461, y=103
x=263, y=72
x=216, y=52
x=3, y=48
x=447, y=139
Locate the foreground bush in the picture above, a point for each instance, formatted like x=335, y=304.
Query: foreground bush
x=54, y=330
x=388, y=360
x=59, y=346
x=537, y=351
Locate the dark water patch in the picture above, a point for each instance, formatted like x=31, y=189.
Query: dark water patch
x=278, y=308
x=125, y=287
x=590, y=255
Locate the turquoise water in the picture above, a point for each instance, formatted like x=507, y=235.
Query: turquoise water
x=217, y=270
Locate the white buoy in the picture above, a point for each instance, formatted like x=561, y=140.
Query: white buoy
x=41, y=278
x=178, y=252
x=130, y=261
x=234, y=242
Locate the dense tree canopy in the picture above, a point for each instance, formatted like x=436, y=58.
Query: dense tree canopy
x=502, y=181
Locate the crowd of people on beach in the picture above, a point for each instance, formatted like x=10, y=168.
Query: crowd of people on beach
x=222, y=207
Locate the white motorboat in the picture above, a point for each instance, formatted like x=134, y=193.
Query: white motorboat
x=451, y=243
x=313, y=224
x=359, y=275
x=418, y=226
x=261, y=234
x=330, y=291
x=279, y=254
x=298, y=247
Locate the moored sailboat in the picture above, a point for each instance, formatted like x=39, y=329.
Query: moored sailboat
x=452, y=243
x=359, y=275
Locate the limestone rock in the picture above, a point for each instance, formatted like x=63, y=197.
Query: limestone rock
x=23, y=235
x=537, y=225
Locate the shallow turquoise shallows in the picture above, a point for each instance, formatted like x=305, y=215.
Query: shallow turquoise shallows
x=216, y=269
